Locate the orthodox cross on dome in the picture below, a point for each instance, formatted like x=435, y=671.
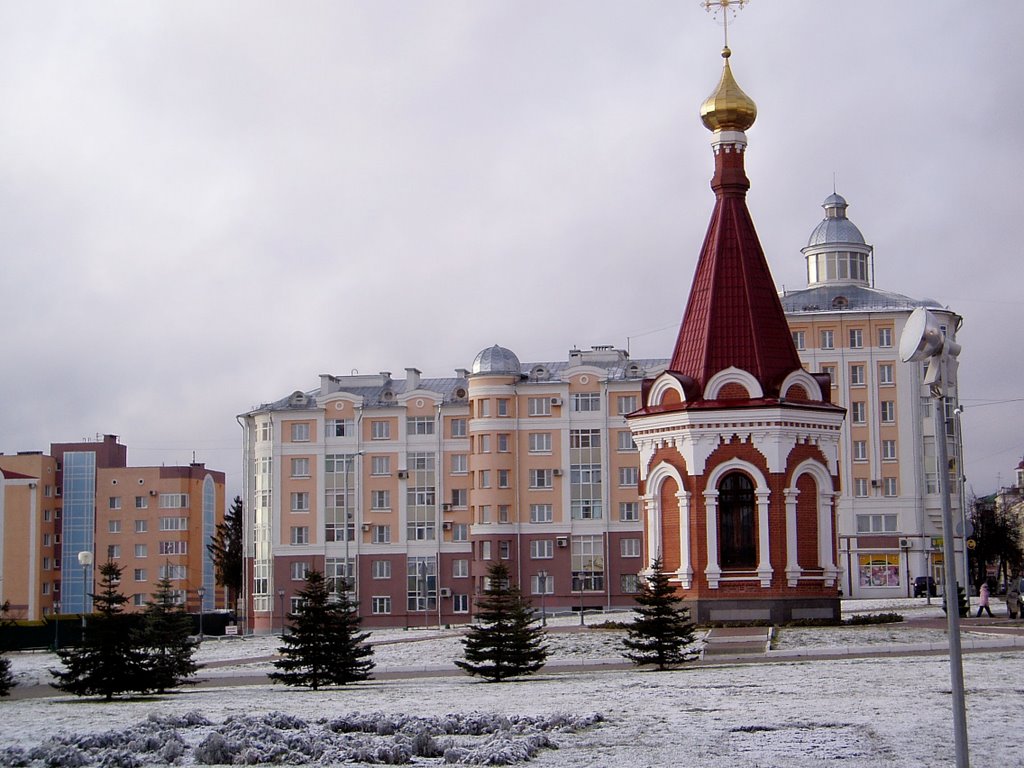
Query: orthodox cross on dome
x=726, y=8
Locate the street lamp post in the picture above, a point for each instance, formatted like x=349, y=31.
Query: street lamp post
x=56, y=625
x=202, y=593
x=85, y=560
x=280, y=599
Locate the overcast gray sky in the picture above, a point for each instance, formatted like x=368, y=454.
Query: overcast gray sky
x=205, y=205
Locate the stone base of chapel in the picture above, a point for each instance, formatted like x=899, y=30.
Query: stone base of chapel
x=766, y=611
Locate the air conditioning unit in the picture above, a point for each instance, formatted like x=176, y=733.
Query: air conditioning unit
x=556, y=401
x=446, y=592
x=152, y=493
x=562, y=541
x=446, y=526
x=366, y=526
x=403, y=474
x=58, y=491
x=904, y=543
x=876, y=483
x=557, y=472
x=446, y=507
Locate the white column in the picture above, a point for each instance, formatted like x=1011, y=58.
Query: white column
x=713, y=572
x=793, y=570
x=826, y=501
x=685, y=572
x=764, y=567
x=651, y=509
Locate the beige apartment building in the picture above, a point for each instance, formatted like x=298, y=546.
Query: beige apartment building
x=84, y=498
x=890, y=526
x=405, y=490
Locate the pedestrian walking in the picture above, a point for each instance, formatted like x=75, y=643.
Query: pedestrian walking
x=983, y=601
x=1013, y=599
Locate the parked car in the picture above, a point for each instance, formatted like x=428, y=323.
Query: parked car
x=925, y=586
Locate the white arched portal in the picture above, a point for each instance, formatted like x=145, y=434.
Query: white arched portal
x=824, y=503
x=655, y=480
x=713, y=571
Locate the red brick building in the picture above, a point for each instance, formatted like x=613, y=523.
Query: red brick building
x=738, y=442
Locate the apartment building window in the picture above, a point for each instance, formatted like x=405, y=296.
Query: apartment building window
x=798, y=340
x=380, y=465
x=173, y=572
x=113, y=552
x=503, y=478
x=139, y=574
x=629, y=511
x=542, y=549
x=538, y=406
x=504, y=549
x=115, y=502
x=876, y=524
x=830, y=370
x=587, y=562
x=856, y=338
x=300, y=467
x=300, y=501
x=484, y=478
x=460, y=498
x=138, y=599
x=625, y=404
x=421, y=583
x=460, y=603
x=540, y=442
x=300, y=432
x=141, y=526
x=172, y=548
x=483, y=408
x=628, y=477
x=485, y=550
x=889, y=450
x=420, y=425
x=264, y=432
x=503, y=406
x=380, y=430
x=460, y=464
x=173, y=523
x=885, y=373
x=542, y=584
x=888, y=411
x=47, y=514
x=113, y=526
x=828, y=339
x=625, y=441
x=382, y=534
x=857, y=375
x=503, y=442
x=174, y=501
x=47, y=540
x=380, y=499
x=504, y=513
x=586, y=402
x=629, y=583
x=300, y=534
x=540, y=478
x=340, y=428
x=540, y=513
x=860, y=450
x=458, y=427
x=460, y=532
x=885, y=337
x=141, y=502
x=460, y=569
x=141, y=550
x=483, y=443
x=860, y=487
x=484, y=511
x=629, y=547
x=299, y=570
x=381, y=569
x=380, y=605
x=47, y=563
x=858, y=413
x=889, y=486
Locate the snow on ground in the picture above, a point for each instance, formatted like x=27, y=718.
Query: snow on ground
x=879, y=712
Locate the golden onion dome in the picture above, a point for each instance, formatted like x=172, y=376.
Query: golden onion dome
x=728, y=108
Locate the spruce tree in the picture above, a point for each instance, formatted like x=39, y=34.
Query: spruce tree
x=506, y=641
x=661, y=632
x=108, y=661
x=324, y=645
x=166, y=636
x=6, y=677
x=226, y=550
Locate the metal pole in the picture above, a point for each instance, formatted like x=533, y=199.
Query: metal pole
x=280, y=598
x=956, y=670
x=542, y=579
x=344, y=484
x=202, y=593
x=85, y=589
x=56, y=626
